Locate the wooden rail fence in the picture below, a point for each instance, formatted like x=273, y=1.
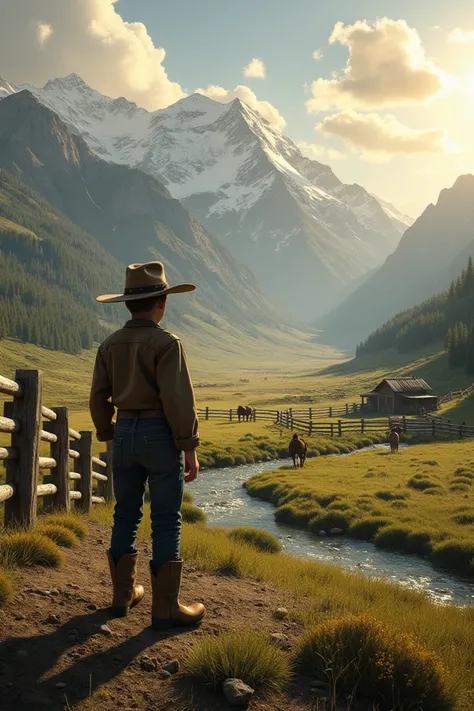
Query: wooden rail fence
x=309, y=413
x=455, y=394
x=75, y=474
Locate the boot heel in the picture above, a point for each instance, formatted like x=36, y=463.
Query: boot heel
x=120, y=611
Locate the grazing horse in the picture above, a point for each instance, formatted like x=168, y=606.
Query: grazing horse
x=298, y=448
x=244, y=412
x=394, y=441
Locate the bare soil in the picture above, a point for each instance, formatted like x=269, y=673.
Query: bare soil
x=53, y=654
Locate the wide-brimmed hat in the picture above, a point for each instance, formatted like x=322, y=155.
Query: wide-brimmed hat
x=143, y=281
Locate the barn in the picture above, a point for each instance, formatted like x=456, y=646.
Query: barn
x=401, y=396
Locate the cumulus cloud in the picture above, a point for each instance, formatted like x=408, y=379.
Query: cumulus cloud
x=318, y=151
x=387, y=66
x=461, y=36
x=50, y=38
x=384, y=136
x=318, y=54
x=256, y=69
x=244, y=93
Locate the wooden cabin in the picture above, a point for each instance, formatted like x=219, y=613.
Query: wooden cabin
x=401, y=396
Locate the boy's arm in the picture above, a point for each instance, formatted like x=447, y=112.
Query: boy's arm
x=102, y=411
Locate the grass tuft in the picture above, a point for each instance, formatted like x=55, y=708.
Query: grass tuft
x=329, y=520
x=247, y=656
x=255, y=537
x=74, y=523
x=62, y=536
x=389, y=669
x=454, y=555
x=366, y=529
x=192, y=514
x=23, y=549
x=188, y=498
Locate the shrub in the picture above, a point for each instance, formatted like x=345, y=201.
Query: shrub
x=6, y=589
x=295, y=514
x=339, y=506
x=454, y=555
x=329, y=520
x=388, y=669
x=419, y=542
x=231, y=565
x=366, y=528
x=431, y=463
x=392, y=537
x=61, y=535
x=325, y=500
x=25, y=549
x=462, y=471
x=187, y=497
x=459, y=487
x=391, y=495
x=420, y=483
x=261, y=540
x=224, y=460
x=434, y=491
x=246, y=656
x=192, y=514
x=71, y=521
x=462, y=480
x=463, y=519
x=399, y=505
x=239, y=459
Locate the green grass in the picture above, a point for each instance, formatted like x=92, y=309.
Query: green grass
x=73, y=522
x=362, y=656
x=241, y=655
x=192, y=514
x=25, y=549
x=426, y=505
x=255, y=537
x=62, y=536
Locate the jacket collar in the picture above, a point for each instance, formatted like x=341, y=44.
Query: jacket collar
x=141, y=323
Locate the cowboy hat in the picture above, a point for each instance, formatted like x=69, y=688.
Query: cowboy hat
x=143, y=281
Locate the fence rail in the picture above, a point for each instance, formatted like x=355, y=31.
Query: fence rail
x=29, y=423
x=309, y=413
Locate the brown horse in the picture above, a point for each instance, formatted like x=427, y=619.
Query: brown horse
x=394, y=441
x=244, y=412
x=298, y=448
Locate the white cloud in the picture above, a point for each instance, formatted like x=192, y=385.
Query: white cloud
x=383, y=136
x=256, y=69
x=244, y=93
x=461, y=36
x=318, y=54
x=91, y=39
x=387, y=66
x=43, y=32
x=319, y=152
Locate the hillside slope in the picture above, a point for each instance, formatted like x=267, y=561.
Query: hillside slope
x=287, y=217
x=130, y=213
x=420, y=267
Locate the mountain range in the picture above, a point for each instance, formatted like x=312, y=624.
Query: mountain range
x=304, y=234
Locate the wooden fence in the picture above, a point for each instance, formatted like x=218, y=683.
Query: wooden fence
x=455, y=395
x=88, y=481
x=309, y=413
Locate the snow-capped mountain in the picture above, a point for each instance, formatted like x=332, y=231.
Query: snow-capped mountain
x=304, y=233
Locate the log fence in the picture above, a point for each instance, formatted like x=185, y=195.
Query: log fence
x=76, y=478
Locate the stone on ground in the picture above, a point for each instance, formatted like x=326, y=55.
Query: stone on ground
x=237, y=692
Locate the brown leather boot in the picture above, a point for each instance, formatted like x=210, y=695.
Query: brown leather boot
x=124, y=575
x=167, y=611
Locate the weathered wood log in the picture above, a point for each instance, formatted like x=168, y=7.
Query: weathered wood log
x=47, y=436
x=75, y=495
x=8, y=453
x=46, y=490
x=98, y=500
x=59, y=427
x=73, y=454
x=84, y=468
x=74, y=476
x=47, y=463
x=6, y=492
x=73, y=434
x=10, y=387
x=99, y=477
x=48, y=414
x=99, y=462
x=8, y=425
x=23, y=473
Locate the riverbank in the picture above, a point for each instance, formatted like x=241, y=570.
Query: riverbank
x=419, y=501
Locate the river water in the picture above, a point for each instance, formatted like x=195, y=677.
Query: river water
x=220, y=493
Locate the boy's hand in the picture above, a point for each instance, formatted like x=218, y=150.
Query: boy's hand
x=191, y=466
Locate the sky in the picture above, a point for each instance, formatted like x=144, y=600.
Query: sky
x=381, y=90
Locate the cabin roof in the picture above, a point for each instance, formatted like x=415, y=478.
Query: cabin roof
x=403, y=385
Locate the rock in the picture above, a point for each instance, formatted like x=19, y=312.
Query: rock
x=148, y=665
x=280, y=639
x=22, y=654
x=336, y=532
x=43, y=593
x=281, y=613
x=237, y=692
x=92, y=607
x=53, y=620
x=55, y=592
x=172, y=667
x=100, y=541
x=105, y=630
x=60, y=685
x=164, y=674
x=259, y=603
x=321, y=534
x=73, y=587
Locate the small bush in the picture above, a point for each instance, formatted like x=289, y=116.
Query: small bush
x=399, y=505
x=462, y=471
x=62, y=536
x=339, y=506
x=462, y=480
x=295, y=515
x=459, y=487
x=246, y=656
x=231, y=565
x=6, y=589
x=419, y=542
x=329, y=520
x=463, y=519
x=25, y=549
x=434, y=491
x=388, y=669
x=188, y=498
x=261, y=540
x=74, y=523
x=365, y=529
x=420, y=483
x=454, y=555
x=224, y=460
x=393, y=538
x=391, y=495
x=325, y=500
x=239, y=460
x=431, y=463
x=192, y=514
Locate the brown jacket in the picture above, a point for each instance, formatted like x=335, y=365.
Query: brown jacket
x=143, y=367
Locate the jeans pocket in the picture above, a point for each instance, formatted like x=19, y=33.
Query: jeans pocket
x=160, y=454
x=117, y=452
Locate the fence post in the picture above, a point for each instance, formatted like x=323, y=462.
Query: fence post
x=461, y=429
x=339, y=428
x=230, y=415
x=347, y=408
x=310, y=413
x=108, y=490
x=254, y=415
x=84, y=468
x=332, y=429
x=60, y=452
x=362, y=426
x=207, y=413
x=354, y=407
x=404, y=421
x=310, y=428
x=23, y=473
x=433, y=428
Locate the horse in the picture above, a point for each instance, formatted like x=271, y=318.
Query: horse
x=298, y=448
x=244, y=412
x=394, y=441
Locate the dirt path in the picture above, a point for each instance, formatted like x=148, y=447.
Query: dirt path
x=53, y=654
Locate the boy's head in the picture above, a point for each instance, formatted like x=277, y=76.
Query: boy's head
x=152, y=309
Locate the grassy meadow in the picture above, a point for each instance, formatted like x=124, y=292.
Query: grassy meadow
x=420, y=501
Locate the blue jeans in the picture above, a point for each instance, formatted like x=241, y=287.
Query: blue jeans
x=144, y=450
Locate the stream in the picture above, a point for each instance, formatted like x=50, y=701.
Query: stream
x=220, y=493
